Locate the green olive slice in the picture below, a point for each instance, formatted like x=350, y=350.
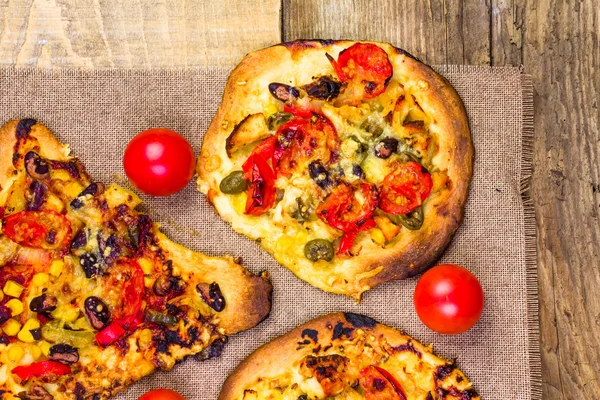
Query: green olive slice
x=233, y=183
x=413, y=220
x=319, y=249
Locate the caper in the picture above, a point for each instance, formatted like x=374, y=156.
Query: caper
x=278, y=119
x=304, y=210
x=319, y=249
x=374, y=128
x=405, y=157
x=233, y=183
x=160, y=318
x=413, y=220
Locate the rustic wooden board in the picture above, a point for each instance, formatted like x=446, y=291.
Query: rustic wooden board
x=135, y=33
x=558, y=43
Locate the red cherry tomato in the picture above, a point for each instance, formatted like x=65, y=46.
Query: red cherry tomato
x=162, y=394
x=261, y=191
x=44, y=229
x=366, y=67
x=343, y=210
x=159, y=162
x=405, y=188
x=448, y=299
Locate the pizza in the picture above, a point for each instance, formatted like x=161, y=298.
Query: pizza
x=92, y=295
x=346, y=356
x=349, y=162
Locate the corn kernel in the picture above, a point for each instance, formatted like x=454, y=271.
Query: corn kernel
x=302, y=236
x=283, y=243
x=70, y=315
x=16, y=353
x=377, y=236
x=13, y=288
x=35, y=351
x=40, y=279
x=239, y=202
x=1, y=295
x=146, y=265
x=148, y=282
x=11, y=327
x=16, y=306
x=25, y=333
x=45, y=347
x=56, y=267
x=145, y=339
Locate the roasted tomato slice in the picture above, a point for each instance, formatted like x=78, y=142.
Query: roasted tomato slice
x=302, y=140
x=127, y=281
x=261, y=191
x=44, y=229
x=349, y=209
x=379, y=384
x=366, y=68
x=405, y=188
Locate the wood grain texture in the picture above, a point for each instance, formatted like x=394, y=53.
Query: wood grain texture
x=135, y=33
x=558, y=43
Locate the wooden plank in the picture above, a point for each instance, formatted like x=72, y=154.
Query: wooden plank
x=135, y=33
x=562, y=52
x=438, y=32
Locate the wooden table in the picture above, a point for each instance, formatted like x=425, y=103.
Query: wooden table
x=556, y=41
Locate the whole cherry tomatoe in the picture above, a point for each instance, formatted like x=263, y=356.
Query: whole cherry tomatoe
x=159, y=161
x=448, y=299
x=161, y=394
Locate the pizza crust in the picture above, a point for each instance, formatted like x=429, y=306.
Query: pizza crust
x=277, y=357
x=246, y=93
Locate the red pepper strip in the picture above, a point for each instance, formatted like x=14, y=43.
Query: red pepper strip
x=40, y=369
x=393, y=381
x=264, y=150
x=262, y=192
x=298, y=111
x=110, y=334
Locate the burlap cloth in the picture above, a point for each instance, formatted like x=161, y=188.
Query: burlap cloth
x=98, y=111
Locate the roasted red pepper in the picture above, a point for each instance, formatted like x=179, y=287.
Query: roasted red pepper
x=405, y=188
x=343, y=210
x=379, y=384
x=262, y=192
x=298, y=111
x=110, y=334
x=41, y=369
x=44, y=229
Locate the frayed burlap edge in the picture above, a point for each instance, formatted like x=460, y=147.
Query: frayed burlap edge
x=533, y=327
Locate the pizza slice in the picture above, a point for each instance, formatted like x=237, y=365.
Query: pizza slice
x=346, y=356
x=349, y=162
x=92, y=295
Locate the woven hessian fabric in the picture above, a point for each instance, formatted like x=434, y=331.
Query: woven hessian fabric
x=98, y=111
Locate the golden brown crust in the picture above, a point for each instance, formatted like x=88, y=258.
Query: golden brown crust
x=273, y=359
x=417, y=250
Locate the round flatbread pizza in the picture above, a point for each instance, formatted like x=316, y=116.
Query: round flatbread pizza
x=349, y=162
x=346, y=356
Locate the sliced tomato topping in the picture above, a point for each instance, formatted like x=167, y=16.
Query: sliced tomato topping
x=365, y=67
x=261, y=191
x=405, y=188
x=301, y=140
x=349, y=209
x=127, y=278
x=44, y=229
x=379, y=384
